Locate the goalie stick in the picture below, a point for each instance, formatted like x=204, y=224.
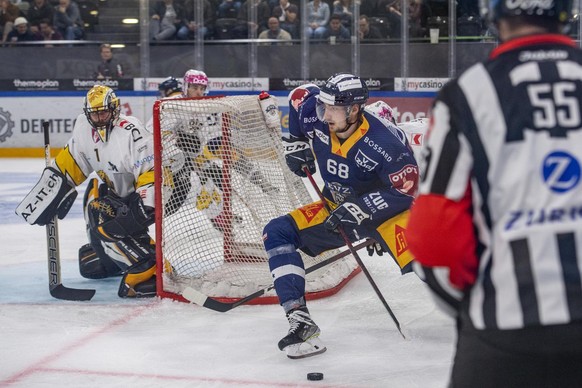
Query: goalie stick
x=196, y=297
x=56, y=288
x=354, y=253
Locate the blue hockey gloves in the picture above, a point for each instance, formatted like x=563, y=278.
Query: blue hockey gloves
x=348, y=214
x=298, y=154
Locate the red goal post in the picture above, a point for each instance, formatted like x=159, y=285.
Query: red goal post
x=220, y=177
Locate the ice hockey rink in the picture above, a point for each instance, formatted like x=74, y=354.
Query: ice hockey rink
x=110, y=342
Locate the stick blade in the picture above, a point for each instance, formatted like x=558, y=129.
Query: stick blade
x=202, y=300
x=74, y=294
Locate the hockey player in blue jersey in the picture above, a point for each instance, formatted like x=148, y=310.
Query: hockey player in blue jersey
x=370, y=178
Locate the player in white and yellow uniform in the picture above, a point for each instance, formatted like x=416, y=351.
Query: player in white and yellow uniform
x=119, y=206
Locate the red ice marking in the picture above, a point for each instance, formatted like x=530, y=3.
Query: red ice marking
x=38, y=366
x=192, y=379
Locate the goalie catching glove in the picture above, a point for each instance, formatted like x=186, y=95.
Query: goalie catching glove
x=52, y=196
x=348, y=214
x=297, y=155
x=114, y=218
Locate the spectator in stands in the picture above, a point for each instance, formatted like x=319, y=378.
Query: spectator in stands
x=38, y=11
x=67, y=20
x=418, y=14
x=168, y=18
x=368, y=33
x=228, y=9
x=109, y=67
x=335, y=31
x=246, y=28
x=8, y=13
x=317, y=19
x=368, y=7
x=288, y=16
x=345, y=9
x=275, y=32
x=21, y=32
x=193, y=29
x=47, y=32
x=22, y=5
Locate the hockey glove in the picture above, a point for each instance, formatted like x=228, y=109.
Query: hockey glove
x=348, y=214
x=113, y=219
x=52, y=196
x=297, y=155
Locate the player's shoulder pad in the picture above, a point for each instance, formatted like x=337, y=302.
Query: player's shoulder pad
x=134, y=127
x=380, y=125
x=302, y=93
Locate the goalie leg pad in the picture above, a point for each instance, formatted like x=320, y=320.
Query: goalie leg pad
x=52, y=196
x=93, y=266
x=139, y=281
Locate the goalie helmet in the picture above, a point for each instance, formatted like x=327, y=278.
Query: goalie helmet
x=168, y=87
x=559, y=10
x=102, y=110
x=195, y=77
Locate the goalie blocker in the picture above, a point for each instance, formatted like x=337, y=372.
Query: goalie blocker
x=52, y=196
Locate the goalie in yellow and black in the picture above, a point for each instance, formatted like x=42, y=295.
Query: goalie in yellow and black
x=118, y=206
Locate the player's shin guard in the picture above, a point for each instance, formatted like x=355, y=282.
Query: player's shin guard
x=285, y=263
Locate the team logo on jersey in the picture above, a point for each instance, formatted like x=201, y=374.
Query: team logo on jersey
x=6, y=125
x=400, y=240
x=364, y=161
x=322, y=136
x=339, y=192
x=298, y=97
x=561, y=171
x=310, y=211
x=405, y=180
x=416, y=139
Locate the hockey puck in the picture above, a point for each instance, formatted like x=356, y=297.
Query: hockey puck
x=314, y=376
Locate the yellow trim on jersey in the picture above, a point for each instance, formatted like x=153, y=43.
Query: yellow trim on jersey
x=393, y=232
x=69, y=167
x=94, y=193
x=340, y=149
x=145, y=179
x=310, y=215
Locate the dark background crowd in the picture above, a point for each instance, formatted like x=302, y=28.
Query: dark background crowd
x=328, y=20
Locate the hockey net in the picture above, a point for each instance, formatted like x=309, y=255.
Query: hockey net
x=220, y=178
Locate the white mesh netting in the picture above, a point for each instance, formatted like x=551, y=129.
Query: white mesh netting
x=223, y=177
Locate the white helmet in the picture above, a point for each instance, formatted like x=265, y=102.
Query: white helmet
x=196, y=77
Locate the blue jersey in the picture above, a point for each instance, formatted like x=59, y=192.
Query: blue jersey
x=374, y=167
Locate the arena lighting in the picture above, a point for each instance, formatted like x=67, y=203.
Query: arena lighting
x=117, y=45
x=130, y=21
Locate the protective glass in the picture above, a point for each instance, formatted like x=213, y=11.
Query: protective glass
x=335, y=112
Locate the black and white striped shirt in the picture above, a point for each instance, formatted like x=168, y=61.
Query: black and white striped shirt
x=511, y=129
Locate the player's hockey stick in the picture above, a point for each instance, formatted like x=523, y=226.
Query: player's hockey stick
x=200, y=299
x=56, y=288
x=355, y=254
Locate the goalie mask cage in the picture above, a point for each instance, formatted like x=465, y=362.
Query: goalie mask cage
x=220, y=178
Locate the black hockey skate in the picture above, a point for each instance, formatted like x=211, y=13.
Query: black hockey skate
x=303, y=337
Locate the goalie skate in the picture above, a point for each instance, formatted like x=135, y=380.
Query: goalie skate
x=303, y=337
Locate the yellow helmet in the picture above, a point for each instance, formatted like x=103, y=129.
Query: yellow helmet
x=102, y=110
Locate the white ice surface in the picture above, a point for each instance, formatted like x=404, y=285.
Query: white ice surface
x=110, y=342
